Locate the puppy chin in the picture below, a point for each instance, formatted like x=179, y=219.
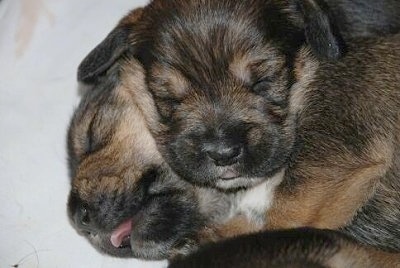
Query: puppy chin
x=102, y=243
x=244, y=183
x=238, y=183
x=150, y=250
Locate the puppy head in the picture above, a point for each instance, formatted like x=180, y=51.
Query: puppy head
x=221, y=74
x=124, y=199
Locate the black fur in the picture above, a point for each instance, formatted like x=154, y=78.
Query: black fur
x=288, y=248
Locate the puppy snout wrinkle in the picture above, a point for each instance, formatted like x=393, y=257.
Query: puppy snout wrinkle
x=223, y=154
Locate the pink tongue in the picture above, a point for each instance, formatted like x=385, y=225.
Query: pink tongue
x=120, y=233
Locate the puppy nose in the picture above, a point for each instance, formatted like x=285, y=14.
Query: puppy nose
x=224, y=155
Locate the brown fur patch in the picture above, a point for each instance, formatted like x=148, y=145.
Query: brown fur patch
x=305, y=67
x=338, y=187
x=237, y=226
x=351, y=255
x=258, y=63
x=129, y=113
x=169, y=79
x=133, y=17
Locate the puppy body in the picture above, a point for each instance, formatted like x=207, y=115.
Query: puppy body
x=348, y=130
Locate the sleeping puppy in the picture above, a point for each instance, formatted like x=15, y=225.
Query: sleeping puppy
x=119, y=179
x=124, y=199
x=344, y=176
x=249, y=99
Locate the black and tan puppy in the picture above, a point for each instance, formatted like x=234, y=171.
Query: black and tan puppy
x=345, y=175
x=124, y=199
x=127, y=202
x=248, y=99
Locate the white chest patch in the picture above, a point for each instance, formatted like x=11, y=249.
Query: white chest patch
x=254, y=202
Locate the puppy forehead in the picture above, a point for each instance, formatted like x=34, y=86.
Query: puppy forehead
x=122, y=107
x=119, y=166
x=203, y=37
x=203, y=46
x=98, y=111
x=244, y=65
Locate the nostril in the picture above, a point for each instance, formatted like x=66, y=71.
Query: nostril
x=81, y=215
x=83, y=220
x=84, y=216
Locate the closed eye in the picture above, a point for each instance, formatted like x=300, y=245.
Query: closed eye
x=262, y=86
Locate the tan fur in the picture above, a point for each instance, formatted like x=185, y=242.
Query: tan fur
x=350, y=255
x=237, y=226
x=133, y=17
x=305, y=68
x=170, y=78
x=264, y=61
x=348, y=187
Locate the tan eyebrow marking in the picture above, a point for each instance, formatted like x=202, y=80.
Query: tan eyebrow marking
x=263, y=61
x=169, y=83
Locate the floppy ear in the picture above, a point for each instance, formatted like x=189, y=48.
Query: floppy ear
x=104, y=55
x=320, y=33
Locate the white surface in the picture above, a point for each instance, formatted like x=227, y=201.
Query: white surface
x=41, y=44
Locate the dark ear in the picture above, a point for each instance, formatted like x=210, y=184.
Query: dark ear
x=102, y=57
x=320, y=32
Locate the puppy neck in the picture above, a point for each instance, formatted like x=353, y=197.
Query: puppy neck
x=254, y=202
x=251, y=204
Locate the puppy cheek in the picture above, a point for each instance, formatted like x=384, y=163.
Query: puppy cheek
x=189, y=143
x=254, y=136
x=260, y=140
x=186, y=150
